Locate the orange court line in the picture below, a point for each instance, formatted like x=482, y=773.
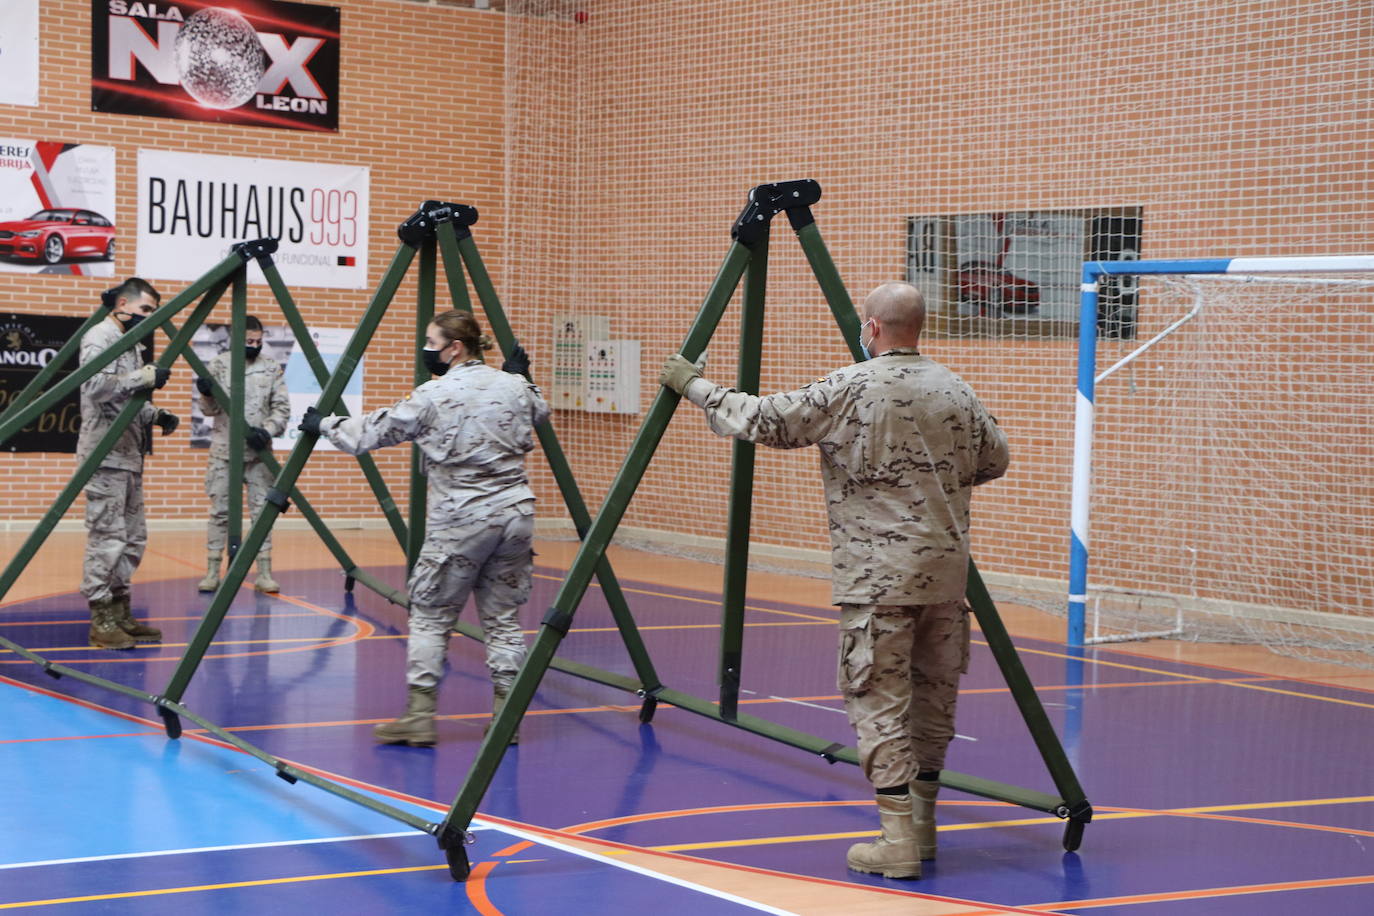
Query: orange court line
x=476, y=887
x=77, y=737
x=1202, y=894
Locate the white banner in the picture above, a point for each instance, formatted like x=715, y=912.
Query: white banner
x=57, y=208
x=193, y=207
x=19, y=52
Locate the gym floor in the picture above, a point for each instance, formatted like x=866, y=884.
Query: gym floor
x=1224, y=780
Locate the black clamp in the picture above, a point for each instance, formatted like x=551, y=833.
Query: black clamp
x=829, y=751
x=559, y=620
x=110, y=298
x=1081, y=812
x=261, y=249
x=450, y=837
x=768, y=200
x=424, y=222
x=284, y=775
x=277, y=498
x=50, y=671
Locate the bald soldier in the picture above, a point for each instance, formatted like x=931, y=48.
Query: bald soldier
x=903, y=441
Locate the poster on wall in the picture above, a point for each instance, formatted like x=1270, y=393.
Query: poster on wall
x=57, y=208
x=267, y=63
x=193, y=207
x=19, y=52
x=27, y=344
x=278, y=343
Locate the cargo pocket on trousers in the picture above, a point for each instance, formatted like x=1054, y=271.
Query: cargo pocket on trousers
x=856, y=655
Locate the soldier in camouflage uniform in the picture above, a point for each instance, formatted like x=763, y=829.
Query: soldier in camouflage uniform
x=474, y=426
x=116, y=531
x=266, y=409
x=903, y=441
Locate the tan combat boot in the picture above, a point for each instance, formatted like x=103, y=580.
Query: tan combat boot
x=416, y=727
x=265, y=582
x=895, y=853
x=124, y=616
x=105, y=630
x=498, y=702
x=923, y=792
x=211, y=580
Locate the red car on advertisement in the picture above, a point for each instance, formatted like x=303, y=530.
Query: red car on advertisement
x=58, y=234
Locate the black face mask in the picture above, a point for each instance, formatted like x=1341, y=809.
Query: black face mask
x=252, y=352
x=130, y=321
x=433, y=363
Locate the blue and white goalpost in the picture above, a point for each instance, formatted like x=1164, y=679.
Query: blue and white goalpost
x=1088, y=377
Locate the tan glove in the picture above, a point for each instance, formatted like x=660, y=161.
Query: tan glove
x=678, y=373
x=149, y=376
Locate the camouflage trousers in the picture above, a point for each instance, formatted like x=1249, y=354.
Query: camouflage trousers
x=115, y=533
x=899, y=671
x=489, y=558
x=257, y=479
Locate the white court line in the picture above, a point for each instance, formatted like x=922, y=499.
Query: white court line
x=541, y=840
x=180, y=852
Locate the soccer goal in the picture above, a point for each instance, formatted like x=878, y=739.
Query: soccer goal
x=1223, y=452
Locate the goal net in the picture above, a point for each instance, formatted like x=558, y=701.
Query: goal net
x=1232, y=445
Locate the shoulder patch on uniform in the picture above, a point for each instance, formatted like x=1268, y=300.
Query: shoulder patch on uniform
x=821, y=379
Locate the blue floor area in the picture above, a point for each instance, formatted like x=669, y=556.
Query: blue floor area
x=305, y=677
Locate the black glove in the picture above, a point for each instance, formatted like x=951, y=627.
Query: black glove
x=167, y=420
x=517, y=363
x=162, y=375
x=310, y=423
x=259, y=438
x=204, y=386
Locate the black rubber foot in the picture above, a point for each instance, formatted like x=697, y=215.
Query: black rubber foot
x=1073, y=835
x=348, y=583
x=170, y=721
x=458, y=867
x=646, y=710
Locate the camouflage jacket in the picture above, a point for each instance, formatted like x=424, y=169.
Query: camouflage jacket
x=266, y=402
x=104, y=395
x=902, y=441
x=473, y=426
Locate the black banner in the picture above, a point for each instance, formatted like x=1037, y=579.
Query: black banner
x=267, y=63
x=27, y=344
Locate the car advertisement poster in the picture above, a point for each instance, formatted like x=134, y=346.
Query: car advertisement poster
x=278, y=343
x=259, y=62
x=19, y=52
x=57, y=208
x=193, y=207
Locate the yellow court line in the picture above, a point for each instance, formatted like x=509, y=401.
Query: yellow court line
x=125, y=895
x=1023, y=822
x=713, y=602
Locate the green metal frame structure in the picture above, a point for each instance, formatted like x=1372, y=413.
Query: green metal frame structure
x=746, y=259
x=436, y=228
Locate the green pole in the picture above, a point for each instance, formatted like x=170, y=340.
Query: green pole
x=286, y=480
x=589, y=556
x=465, y=249
x=841, y=306
x=453, y=269
x=234, y=415
x=92, y=463
x=424, y=311
x=69, y=350
x=15, y=420
x=321, y=373
x=741, y=486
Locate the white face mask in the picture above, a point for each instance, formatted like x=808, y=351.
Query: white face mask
x=864, y=346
